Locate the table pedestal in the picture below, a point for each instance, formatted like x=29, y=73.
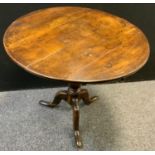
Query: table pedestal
x=72, y=96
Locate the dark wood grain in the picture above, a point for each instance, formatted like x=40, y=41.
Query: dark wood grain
x=76, y=44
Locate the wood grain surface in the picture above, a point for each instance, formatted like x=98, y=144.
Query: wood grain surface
x=76, y=44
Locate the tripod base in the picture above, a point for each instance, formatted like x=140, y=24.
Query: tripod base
x=72, y=96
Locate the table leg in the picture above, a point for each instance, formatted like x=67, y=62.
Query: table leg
x=76, y=117
x=61, y=95
x=86, y=98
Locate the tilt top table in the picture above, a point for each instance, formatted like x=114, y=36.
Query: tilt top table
x=77, y=45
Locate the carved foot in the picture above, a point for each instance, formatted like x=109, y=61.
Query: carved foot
x=47, y=103
x=78, y=139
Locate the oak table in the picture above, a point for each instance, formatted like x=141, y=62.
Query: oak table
x=77, y=45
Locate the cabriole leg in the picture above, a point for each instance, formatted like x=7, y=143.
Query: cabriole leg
x=76, y=117
x=86, y=98
x=61, y=95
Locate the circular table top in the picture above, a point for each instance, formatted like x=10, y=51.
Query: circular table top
x=76, y=44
